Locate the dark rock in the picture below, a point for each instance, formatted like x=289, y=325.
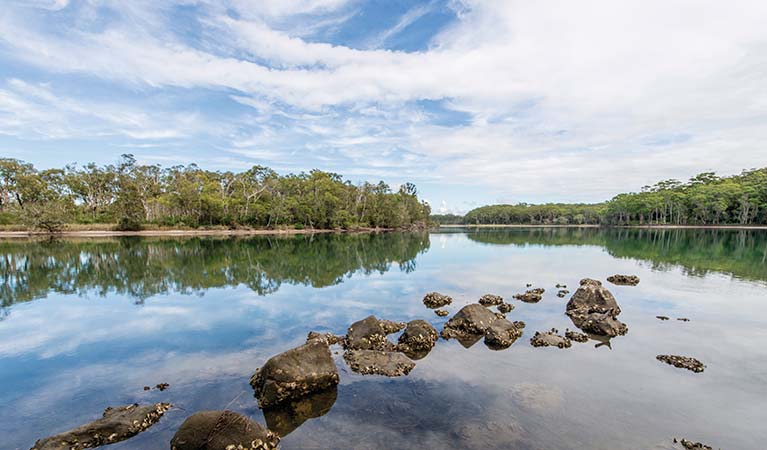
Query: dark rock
x=602, y=324
x=285, y=418
x=502, y=333
x=683, y=362
x=220, y=430
x=683, y=319
x=561, y=286
x=505, y=308
x=473, y=319
x=294, y=374
x=531, y=295
x=419, y=336
x=550, y=339
x=375, y=362
x=576, y=336
x=436, y=300
x=591, y=297
x=146, y=388
x=662, y=317
x=441, y=312
x=562, y=293
x=117, y=424
x=490, y=300
x=370, y=334
x=624, y=280
x=162, y=386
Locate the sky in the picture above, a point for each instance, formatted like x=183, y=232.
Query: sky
x=475, y=101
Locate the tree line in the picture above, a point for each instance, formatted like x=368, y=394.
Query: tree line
x=706, y=199
x=131, y=195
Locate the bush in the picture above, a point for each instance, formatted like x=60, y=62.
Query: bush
x=128, y=224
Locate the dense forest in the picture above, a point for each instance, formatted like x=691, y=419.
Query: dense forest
x=705, y=199
x=131, y=195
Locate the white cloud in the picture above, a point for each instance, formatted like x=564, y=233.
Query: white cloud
x=563, y=96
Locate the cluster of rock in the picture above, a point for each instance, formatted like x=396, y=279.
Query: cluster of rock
x=117, y=424
x=593, y=309
x=550, y=338
x=490, y=300
x=474, y=321
x=690, y=445
x=576, y=336
x=436, y=300
x=683, y=362
x=624, y=280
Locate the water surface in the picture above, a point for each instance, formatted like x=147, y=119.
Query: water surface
x=86, y=323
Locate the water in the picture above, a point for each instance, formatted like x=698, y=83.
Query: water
x=85, y=324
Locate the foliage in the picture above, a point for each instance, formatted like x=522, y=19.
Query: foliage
x=131, y=194
x=547, y=214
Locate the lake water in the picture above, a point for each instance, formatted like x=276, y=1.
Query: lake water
x=85, y=324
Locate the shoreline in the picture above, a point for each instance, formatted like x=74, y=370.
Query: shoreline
x=658, y=227
x=175, y=232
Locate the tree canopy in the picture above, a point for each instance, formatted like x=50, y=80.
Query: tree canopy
x=131, y=194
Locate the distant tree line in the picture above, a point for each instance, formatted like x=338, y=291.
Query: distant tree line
x=706, y=199
x=131, y=194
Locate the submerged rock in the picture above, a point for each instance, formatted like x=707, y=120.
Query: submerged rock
x=683, y=319
x=602, y=324
x=550, y=339
x=295, y=373
x=490, y=300
x=505, y=308
x=473, y=319
x=418, y=339
x=441, y=312
x=375, y=362
x=531, y=295
x=330, y=338
x=576, y=336
x=502, y=333
x=624, y=280
x=562, y=293
x=683, y=362
x=436, y=300
x=117, y=424
x=690, y=445
x=370, y=334
x=222, y=430
x=662, y=317
x=285, y=418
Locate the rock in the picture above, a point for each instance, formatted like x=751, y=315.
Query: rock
x=441, y=312
x=472, y=319
x=550, y=339
x=294, y=374
x=683, y=362
x=683, y=319
x=576, y=336
x=220, y=430
x=505, y=308
x=375, y=362
x=436, y=300
x=330, y=338
x=662, y=317
x=418, y=339
x=531, y=296
x=502, y=333
x=689, y=445
x=117, y=424
x=285, y=418
x=162, y=386
x=602, y=324
x=592, y=297
x=624, y=280
x=370, y=334
x=562, y=293
x=561, y=286
x=490, y=300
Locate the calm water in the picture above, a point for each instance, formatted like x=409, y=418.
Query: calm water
x=85, y=324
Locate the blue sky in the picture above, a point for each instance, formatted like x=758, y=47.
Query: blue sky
x=475, y=101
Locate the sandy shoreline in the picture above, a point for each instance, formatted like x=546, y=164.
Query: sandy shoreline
x=242, y=232
x=658, y=227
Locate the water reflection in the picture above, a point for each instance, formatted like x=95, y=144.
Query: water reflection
x=741, y=253
x=140, y=268
x=284, y=419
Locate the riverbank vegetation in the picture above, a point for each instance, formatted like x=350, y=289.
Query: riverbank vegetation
x=706, y=199
x=132, y=195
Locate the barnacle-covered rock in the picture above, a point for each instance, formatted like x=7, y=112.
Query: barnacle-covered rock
x=505, y=308
x=473, y=319
x=576, y=336
x=531, y=295
x=624, y=280
x=502, y=333
x=375, y=362
x=418, y=339
x=222, y=430
x=295, y=373
x=116, y=424
x=683, y=362
x=370, y=334
x=436, y=300
x=490, y=300
x=550, y=339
